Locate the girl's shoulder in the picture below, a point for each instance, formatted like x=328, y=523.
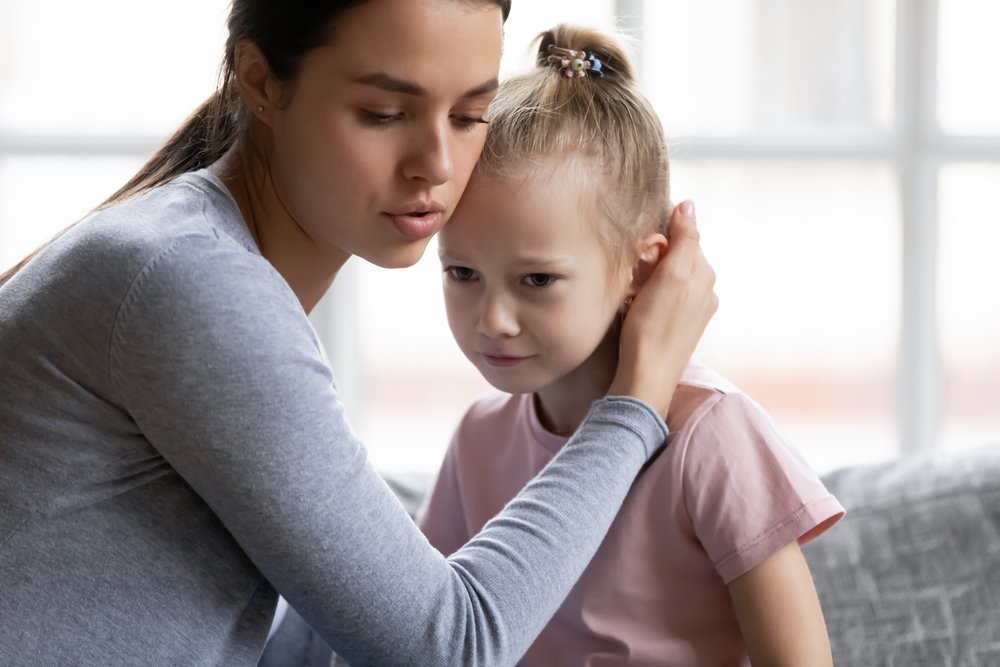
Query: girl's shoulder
x=708, y=406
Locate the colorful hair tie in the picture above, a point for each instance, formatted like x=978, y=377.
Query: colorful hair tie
x=574, y=64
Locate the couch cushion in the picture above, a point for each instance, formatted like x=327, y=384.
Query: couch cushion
x=911, y=576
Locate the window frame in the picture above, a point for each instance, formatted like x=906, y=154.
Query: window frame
x=915, y=148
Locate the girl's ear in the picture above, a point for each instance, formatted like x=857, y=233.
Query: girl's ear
x=651, y=251
x=258, y=87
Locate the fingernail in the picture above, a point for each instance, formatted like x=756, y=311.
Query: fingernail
x=687, y=208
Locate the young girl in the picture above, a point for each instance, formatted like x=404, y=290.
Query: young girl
x=560, y=226
x=173, y=452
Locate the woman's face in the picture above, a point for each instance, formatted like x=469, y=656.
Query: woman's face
x=377, y=135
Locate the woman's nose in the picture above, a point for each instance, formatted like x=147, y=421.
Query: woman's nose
x=431, y=160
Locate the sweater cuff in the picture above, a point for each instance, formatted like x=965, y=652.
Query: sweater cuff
x=635, y=415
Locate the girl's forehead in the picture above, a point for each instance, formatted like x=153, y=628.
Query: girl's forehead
x=520, y=211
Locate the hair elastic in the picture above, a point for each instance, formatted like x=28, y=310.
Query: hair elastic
x=574, y=64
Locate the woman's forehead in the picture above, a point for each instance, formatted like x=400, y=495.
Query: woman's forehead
x=415, y=46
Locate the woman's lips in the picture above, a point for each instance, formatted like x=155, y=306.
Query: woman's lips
x=418, y=219
x=417, y=227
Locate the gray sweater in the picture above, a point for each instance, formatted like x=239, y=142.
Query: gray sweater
x=173, y=450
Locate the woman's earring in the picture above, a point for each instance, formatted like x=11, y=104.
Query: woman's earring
x=628, y=303
x=260, y=108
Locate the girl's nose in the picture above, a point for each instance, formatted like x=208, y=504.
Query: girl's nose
x=497, y=319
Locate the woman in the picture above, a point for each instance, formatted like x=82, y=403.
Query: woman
x=174, y=451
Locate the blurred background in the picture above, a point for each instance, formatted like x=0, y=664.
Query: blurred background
x=844, y=156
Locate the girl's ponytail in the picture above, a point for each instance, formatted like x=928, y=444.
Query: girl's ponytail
x=615, y=63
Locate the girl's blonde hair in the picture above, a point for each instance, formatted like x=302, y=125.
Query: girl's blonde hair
x=604, y=120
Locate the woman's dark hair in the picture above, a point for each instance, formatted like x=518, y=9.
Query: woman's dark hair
x=285, y=32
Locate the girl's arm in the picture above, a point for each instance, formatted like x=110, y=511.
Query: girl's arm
x=779, y=612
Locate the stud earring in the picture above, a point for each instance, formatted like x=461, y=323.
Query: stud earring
x=628, y=302
x=260, y=108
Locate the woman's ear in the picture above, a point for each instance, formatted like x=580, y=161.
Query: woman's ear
x=259, y=89
x=651, y=251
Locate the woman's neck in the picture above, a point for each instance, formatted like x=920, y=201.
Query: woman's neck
x=308, y=268
x=562, y=405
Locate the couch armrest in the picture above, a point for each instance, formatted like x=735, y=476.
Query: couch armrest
x=911, y=575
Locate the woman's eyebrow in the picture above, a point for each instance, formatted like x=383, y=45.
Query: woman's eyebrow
x=396, y=85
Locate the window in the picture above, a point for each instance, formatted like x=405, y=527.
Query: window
x=843, y=155
x=79, y=117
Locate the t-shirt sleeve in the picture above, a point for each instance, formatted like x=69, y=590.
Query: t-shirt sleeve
x=748, y=493
x=442, y=515
x=216, y=363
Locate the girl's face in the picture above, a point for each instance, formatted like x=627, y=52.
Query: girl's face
x=373, y=143
x=528, y=285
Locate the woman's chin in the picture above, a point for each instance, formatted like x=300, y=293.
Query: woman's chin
x=397, y=258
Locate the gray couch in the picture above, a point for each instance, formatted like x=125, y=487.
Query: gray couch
x=910, y=577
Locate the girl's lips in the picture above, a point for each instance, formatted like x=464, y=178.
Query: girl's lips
x=503, y=361
x=417, y=227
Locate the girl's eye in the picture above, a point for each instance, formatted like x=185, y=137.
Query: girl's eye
x=539, y=279
x=460, y=273
x=379, y=119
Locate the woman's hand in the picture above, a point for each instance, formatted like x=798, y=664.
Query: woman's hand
x=667, y=318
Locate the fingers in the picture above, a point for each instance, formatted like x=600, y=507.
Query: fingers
x=683, y=224
x=685, y=256
x=685, y=241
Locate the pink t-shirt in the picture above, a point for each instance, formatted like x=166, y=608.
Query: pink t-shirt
x=725, y=494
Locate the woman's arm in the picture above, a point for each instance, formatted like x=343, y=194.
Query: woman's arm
x=217, y=365
x=779, y=613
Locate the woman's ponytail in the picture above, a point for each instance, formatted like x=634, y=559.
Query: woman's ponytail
x=203, y=138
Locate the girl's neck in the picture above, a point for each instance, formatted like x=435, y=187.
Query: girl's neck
x=562, y=405
x=307, y=268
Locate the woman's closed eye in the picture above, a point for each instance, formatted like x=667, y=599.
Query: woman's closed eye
x=464, y=122
x=462, y=274
x=379, y=119
x=385, y=118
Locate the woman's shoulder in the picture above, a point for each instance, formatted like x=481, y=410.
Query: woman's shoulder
x=185, y=232
x=191, y=207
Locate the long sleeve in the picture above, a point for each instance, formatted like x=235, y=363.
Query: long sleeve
x=215, y=361
x=442, y=516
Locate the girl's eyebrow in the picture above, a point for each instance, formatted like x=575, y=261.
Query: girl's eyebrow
x=541, y=262
x=395, y=85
